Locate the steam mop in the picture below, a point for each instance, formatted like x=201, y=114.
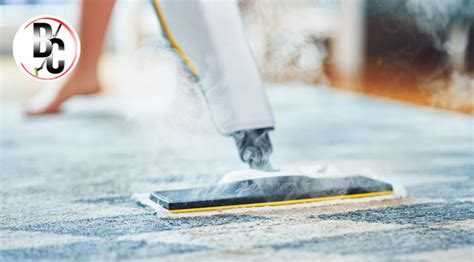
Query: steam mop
x=208, y=37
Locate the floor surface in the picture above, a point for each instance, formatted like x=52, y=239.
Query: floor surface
x=66, y=183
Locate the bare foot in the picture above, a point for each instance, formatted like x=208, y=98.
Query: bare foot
x=49, y=100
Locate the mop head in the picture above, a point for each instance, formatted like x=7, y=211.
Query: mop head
x=246, y=189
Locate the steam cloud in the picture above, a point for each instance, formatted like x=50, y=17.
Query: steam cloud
x=436, y=16
x=447, y=23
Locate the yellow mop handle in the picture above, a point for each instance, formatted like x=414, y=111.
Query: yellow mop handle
x=171, y=39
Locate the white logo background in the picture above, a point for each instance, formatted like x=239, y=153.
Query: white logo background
x=23, y=48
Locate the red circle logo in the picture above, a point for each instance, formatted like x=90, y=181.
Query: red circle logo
x=46, y=48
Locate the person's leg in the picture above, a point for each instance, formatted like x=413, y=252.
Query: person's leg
x=94, y=19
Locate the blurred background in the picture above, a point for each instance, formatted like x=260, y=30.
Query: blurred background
x=415, y=51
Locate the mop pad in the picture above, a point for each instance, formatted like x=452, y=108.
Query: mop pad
x=315, y=185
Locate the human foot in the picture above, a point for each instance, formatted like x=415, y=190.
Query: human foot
x=49, y=100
